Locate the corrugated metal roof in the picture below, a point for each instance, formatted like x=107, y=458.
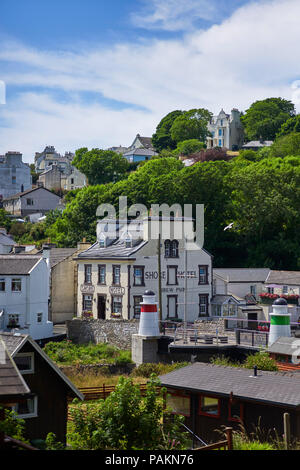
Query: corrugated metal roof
x=267, y=387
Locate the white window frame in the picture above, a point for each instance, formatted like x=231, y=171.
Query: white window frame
x=16, y=279
x=29, y=415
x=26, y=354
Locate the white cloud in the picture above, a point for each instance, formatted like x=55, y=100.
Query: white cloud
x=173, y=15
x=252, y=55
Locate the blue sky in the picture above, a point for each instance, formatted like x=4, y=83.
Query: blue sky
x=95, y=73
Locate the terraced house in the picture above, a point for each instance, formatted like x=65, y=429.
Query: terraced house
x=114, y=273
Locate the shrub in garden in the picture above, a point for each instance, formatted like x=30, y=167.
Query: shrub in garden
x=126, y=420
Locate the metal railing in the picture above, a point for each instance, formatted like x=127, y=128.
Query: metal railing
x=252, y=338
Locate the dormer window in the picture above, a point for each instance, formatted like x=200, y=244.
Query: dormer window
x=127, y=240
x=102, y=241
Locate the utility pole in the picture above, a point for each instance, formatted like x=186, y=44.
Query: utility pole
x=159, y=282
x=185, y=297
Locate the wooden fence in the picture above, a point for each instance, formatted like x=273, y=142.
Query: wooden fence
x=222, y=445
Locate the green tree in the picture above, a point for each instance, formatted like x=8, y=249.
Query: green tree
x=12, y=426
x=127, y=421
x=34, y=174
x=286, y=145
x=264, y=118
x=191, y=125
x=162, y=138
x=5, y=220
x=100, y=166
x=188, y=147
x=292, y=125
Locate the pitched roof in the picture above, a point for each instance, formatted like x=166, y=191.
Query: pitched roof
x=140, y=151
x=284, y=278
x=285, y=345
x=268, y=387
x=243, y=274
x=12, y=383
x=145, y=141
x=17, y=264
x=16, y=342
x=6, y=240
x=57, y=255
x=24, y=193
x=117, y=250
x=258, y=143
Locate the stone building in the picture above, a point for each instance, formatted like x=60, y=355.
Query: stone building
x=114, y=273
x=15, y=175
x=226, y=131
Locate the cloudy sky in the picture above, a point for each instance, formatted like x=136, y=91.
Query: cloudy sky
x=97, y=72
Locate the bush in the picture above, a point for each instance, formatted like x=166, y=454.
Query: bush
x=147, y=369
x=66, y=352
x=262, y=360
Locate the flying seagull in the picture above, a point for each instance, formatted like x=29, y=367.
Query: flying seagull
x=229, y=226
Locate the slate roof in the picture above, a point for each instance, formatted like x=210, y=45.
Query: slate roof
x=28, y=191
x=268, y=387
x=284, y=278
x=145, y=141
x=117, y=250
x=13, y=342
x=57, y=255
x=6, y=240
x=140, y=151
x=243, y=274
x=258, y=143
x=12, y=383
x=283, y=345
x=17, y=264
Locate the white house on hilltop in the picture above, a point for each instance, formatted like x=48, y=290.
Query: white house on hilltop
x=226, y=131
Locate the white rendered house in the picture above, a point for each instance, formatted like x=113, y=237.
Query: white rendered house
x=24, y=295
x=114, y=273
x=226, y=131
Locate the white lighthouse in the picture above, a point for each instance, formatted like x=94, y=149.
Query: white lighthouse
x=149, y=325
x=280, y=324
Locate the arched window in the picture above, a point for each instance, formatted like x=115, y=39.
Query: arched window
x=174, y=249
x=171, y=249
x=167, y=249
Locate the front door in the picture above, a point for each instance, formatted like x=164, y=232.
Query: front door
x=252, y=320
x=172, y=306
x=101, y=306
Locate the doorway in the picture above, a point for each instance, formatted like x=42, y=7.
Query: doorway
x=101, y=307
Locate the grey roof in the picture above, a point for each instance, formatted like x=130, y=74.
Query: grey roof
x=268, y=387
x=284, y=345
x=6, y=240
x=258, y=143
x=140, y=151
x=146, y=141
x=17, y=264
x=15, y=343
x=57, y=255
x=117, y=250
x=284, y=278
x=243, y=274
x=221, y=298
x=28, y=191
x=12, y=383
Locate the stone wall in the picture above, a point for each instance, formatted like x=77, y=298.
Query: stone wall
x=210, y=327
x=115, y=332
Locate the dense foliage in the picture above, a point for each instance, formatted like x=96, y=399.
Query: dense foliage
x=100, y=166
x=260, y=359
x=68, y=353
x=126, y=420
x=264, y=118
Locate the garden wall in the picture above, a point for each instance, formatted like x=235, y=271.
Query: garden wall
x=115, y=332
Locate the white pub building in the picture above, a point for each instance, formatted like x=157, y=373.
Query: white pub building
x=114, y=273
